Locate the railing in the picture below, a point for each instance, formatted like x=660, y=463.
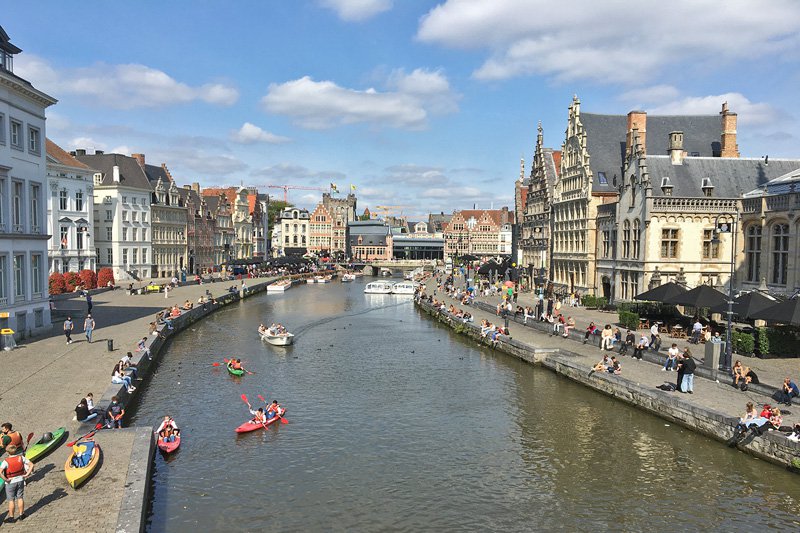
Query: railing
x=751, y=205
x=694, y=205
x=777, y=203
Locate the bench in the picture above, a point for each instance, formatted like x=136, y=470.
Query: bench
x=151, y=288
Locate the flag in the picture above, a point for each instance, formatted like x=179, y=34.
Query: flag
x=352, y=187
x=333, y=187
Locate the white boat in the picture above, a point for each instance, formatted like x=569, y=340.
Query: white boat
x=281, y=339
x=379, y=287
x=280, y=286
x=386, y=272
x=311, y=280
x=405, y=287
x=348, y=277
x=323, y=279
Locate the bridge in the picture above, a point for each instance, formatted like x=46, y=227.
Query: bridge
x=373, y=267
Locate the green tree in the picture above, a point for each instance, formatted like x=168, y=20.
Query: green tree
x=275, y=207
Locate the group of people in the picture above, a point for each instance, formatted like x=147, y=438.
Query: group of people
x=119, y=375
x=88, y=328
x=168, y=430
x=769, y=419
x=262, y=415
x=14, y=470
x=273, y=330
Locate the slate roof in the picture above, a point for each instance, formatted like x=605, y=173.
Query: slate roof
x=62, y=157
x=605, y=141
x=130, y=173
x=438, y=222
x=730, y=177
x=781, y=185
x=154, y=172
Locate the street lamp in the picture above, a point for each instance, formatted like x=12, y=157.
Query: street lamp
x=613, y=264
x=728, y=228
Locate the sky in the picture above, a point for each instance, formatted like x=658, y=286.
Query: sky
x=427, y=105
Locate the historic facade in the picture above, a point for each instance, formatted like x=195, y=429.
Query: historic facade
x=23, y=184
x=70, y=212
x=341, y=211
x=482, y=233
x=320, y=230
x=221, y=212
x=369, y=240
x=294, y=223
x=200, y=229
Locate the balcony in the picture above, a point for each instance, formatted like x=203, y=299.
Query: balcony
x=669, y=204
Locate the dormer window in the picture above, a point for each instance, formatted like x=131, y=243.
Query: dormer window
x=98, y=178
x=666, y=186
x=707, y=187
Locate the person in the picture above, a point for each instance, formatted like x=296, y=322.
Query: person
x=168, y=429
x=679, y=380
x=630, y=340
x=118, y=378
x=127, y=363
x=716, y=339
x=672, y=358
x=774, y=420
x=638, y=352
x=82, y=413
x=141, y=346
x=790, y=390
x=14, y=470
x=274, y=409
x=92, y=409
x=88, y=327
x=558, y=323
x=10, y=437
x=697, y=329
x=258, y=415
x=688, y=364
x=590, y=330
x=115, y=413
x=68, y=327
x=570, y=325
x=88, y=304
x=235, y=364
x=748, y=419
x=615, y=367
x=606, y=338
x=602, y=365
x=653, y=333
x=738, y=373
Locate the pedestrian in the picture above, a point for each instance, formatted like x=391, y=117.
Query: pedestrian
x=653, y=333
x=68, y=327
x=166, y=291
x=88, y=303
x=516, y=293
x=14, y=470
x=689, y=367
x=88, y=327
x=115, y=413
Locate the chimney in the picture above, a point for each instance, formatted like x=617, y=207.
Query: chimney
x=139, y=159
x=80, y=151
x=196, y=187
x=729, y=146
x=676, y=152
x=98, y=152
x=116, y=174
x=636, y=120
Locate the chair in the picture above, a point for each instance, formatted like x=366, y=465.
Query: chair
x=663, y=328
x=644, y=324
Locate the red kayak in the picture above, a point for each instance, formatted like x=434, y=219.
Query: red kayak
x=250, y=425
x=169, y=447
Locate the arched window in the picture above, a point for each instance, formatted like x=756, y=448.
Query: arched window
x=636, y=237
x=780, y=253
x=626, y=239
x=752, y=251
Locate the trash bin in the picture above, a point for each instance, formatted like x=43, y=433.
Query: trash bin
x=7, y=341
x=110, y=345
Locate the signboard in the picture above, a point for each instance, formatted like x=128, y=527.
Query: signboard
x=4, y=314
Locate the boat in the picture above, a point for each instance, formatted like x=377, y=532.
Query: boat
x=405, y=287
x=77, y=475
x=311, y=280
x=251, y=425
x=348, y=277
x=386, y=272
x=169, y=447
x=280, y=339
x=43, y=447
x=323, y=279
x=379, y=287
x=235, y=372
x=280, y=286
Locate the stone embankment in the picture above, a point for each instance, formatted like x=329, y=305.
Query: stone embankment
x=711, y=412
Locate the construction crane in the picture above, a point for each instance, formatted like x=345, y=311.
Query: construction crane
x=391, y=209
x=300, y=187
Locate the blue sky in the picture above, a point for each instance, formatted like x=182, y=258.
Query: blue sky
x=428, y=104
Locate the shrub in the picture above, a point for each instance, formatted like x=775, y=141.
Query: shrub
x=55, y=284
x=589, y=300
x=743, y=343
x=72, y=280
x=629, y=320
x=601, y=302
x=88, y=279
x=762, y=342
x=783, y=342
x=104, y=275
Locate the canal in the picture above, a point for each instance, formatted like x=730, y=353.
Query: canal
x=397, y=424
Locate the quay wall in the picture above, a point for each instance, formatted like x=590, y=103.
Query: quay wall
x=674, y=408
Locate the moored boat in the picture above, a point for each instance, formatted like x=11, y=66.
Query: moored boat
x=386, y=272
x=379, y=287
x=79, y=467
x=280, y=286
x=404, y=287
x=169, y=447
x=252, y=425
x=279, y=339
x=42, y=447
x=348, y=277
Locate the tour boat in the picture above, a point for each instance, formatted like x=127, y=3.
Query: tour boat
x=42, y=447
x=386, y=272
x=252, y=425
x=280, y=339
x=348, y=277
x=280, y=286
x=77, y=475
x=405, y=287
x=379, y=287
x=169, y=447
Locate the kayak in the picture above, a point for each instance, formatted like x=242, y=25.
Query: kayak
x=169, y=447
x=77, y=475
x=42, y=447
x=250, y=425
x=234, y=371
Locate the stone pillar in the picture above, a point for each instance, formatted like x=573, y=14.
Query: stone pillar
x=712, y=356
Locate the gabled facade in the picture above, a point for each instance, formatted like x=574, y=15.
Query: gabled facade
x=483, y=233
x=320, y=233
x=341, y=211
x=221, y=212
x=369, y=240
x=294, y=223
x=70, y=212
x=200, y=229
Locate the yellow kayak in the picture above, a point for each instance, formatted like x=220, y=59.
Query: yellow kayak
x=82, y=462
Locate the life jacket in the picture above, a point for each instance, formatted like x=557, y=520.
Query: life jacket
x=16, y=466
x=259, y=417
x=236, y=366
x=16, y=438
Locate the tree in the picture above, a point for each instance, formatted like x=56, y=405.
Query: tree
x=88, y=279
x=104, y=275
x=274, y=208
x=72, y=280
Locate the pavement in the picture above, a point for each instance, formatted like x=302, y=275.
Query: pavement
x=43, y=380
x=708, y=393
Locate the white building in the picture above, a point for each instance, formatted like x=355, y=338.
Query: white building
x=122, y=218
x=69, y=212
x=23, y=183
x=294, y=223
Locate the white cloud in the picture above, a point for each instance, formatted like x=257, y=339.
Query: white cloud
x=645, y=95
x=324, y=104
x=609, y=41
x=250, y=133
x=198, y=161
x=86, y=143
x=125, y=86
x=290, y=172
x=410, y=174
x=750, y=113
x=357, y=10
x=462, y=193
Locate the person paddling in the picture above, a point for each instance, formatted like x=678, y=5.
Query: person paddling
x=235, y=364
x=168, y=429
x=258, y=415
x=274, y=409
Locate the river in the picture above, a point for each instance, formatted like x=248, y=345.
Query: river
x=397, y=424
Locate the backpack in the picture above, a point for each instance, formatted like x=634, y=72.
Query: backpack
x=666, y=386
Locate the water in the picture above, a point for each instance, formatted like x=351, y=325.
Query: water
x=397, y=424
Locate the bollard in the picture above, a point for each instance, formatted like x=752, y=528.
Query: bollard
x=110, y=345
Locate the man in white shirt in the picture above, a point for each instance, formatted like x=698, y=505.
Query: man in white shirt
x=697, y=329
x=653, y=333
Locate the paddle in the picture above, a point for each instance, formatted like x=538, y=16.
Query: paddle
x=92, y=432
x=244, y=399
x=283, y=420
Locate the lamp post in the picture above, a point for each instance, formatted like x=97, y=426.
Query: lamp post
x=728, y=228
x=613, y=264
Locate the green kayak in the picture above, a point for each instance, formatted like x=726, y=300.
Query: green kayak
x=43, y=447
x=234, y=371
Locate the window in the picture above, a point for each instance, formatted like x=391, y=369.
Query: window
x=80, y=239
x=134, y=254
x=16, y=210
x=35, y=198
x=753, y=253
x=124, y=199
x=633, y=191
x=626, y=239
x=710, y=246
x=2, y=129
x=144, y=255
x=134, y=216
x=79, y=201
x=36, y=275
x=64, y=233
x=62, y=200
x=636, y=238
x=110, y=256
x=669, y=243
x=135, y=234
x=2, y=204
x=780, y=253
x=286, y=240
x=124, y=234
x=16, y=134
x=124, y=216
x=109, y=233
x=34, y=138
x=3, y=276
x=601, y=177
x=109, y=215
x=19, y=276
x=606, y=244
x=125, y=256
x=144, y=217
x=133, y=200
